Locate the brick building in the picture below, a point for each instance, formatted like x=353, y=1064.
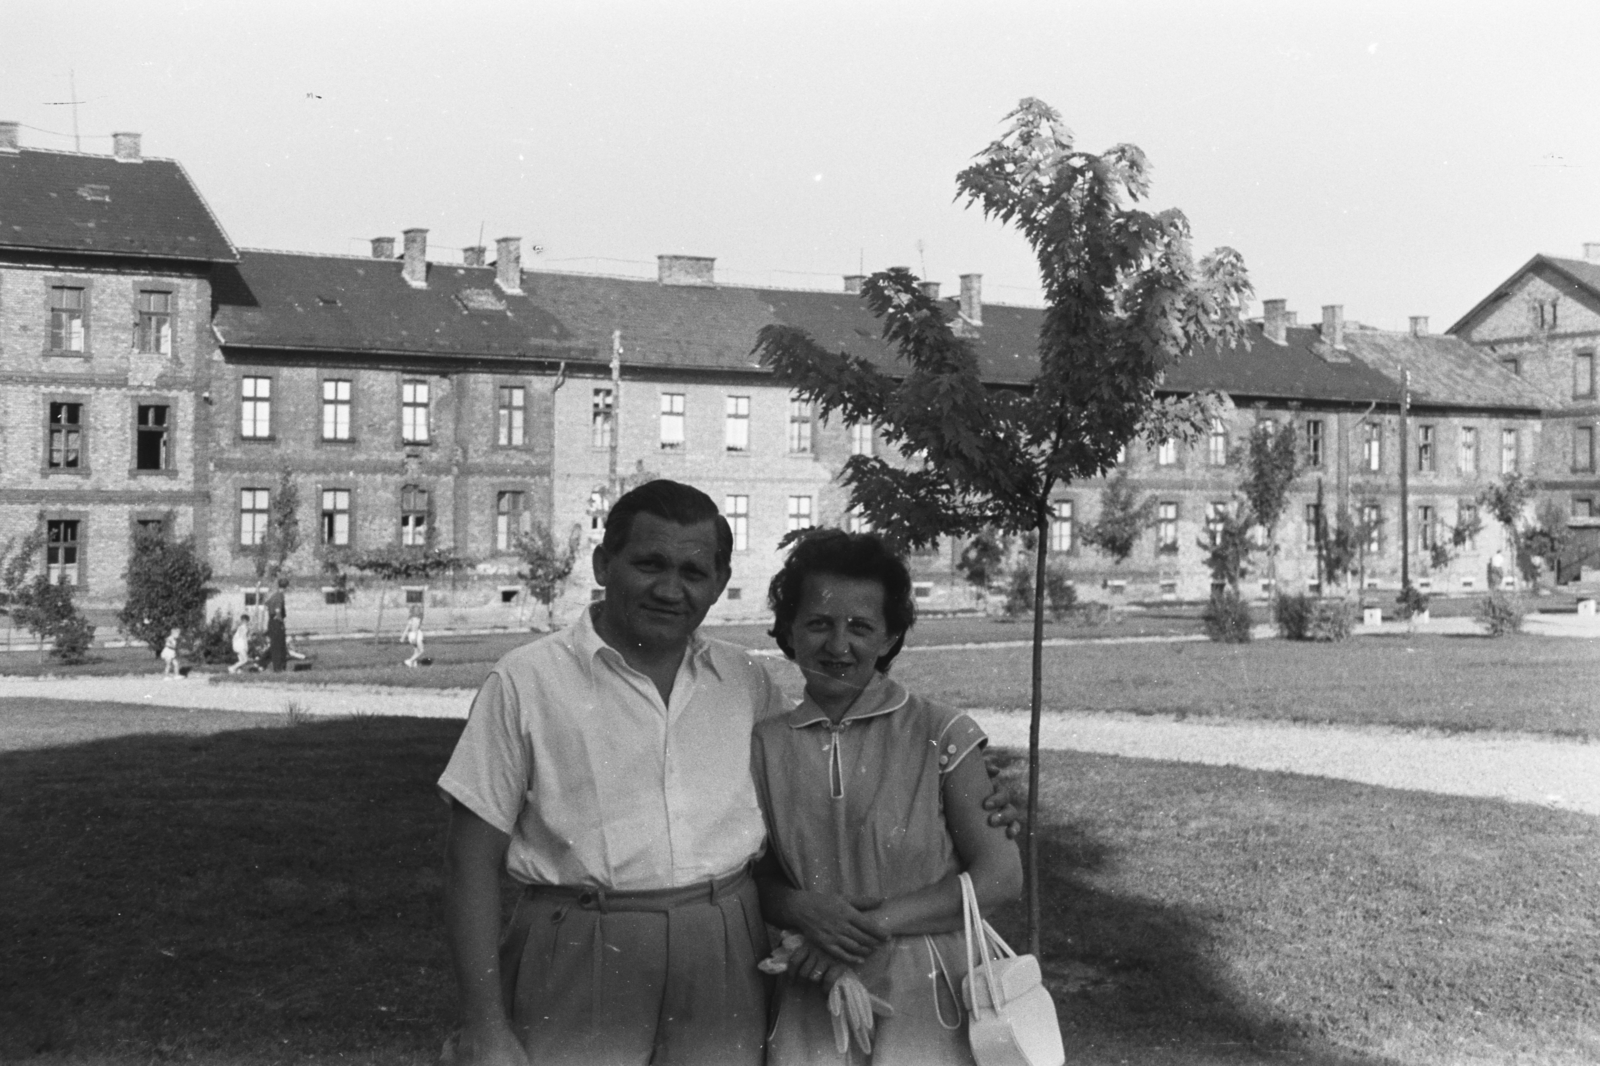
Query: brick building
x=105, y=349
x=1543, y=325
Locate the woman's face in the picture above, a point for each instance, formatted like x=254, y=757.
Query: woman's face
x=838, y=635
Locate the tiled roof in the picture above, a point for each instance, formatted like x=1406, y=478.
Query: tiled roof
x=99, y=205
x=1293, y=370
x=325, y=303
x=1444, y=370
x=1581, y=272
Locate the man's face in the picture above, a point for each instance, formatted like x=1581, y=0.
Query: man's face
x=660, y=585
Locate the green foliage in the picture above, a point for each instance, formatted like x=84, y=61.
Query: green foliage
x=1227, y=617
x=1412, y=601
x=1499, y=614
x=1228, y=549
x=981, y=559
x=395, y=563
x=1548, y=538
x=1507, y=499
x=46, y=609
x=547, y=566
x=1271, y=461
x=1123, y=517
x=16, y=559
x=1318, y=618
x=213, y=642
x=1340, y=546
x=1060, y=596
x=168, y=585
x=283, y=528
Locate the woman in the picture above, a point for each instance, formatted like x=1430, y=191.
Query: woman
x=873, y=805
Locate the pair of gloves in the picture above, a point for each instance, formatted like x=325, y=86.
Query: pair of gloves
x=853, y=1008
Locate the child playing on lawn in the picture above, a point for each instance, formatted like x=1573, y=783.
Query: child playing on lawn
x=169, y=655
x=413, y=637
x=241, y=644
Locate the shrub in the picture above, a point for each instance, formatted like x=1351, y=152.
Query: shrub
x=1091, y=613
x=1227, y=617
x=167, y=589
x=1060, y=596
x=1303, y=617
x=47, y=610
x=1499, y=614
x=214, y=642
x=1411, y=601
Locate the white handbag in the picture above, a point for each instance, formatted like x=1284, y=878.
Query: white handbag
x=1011, y=1017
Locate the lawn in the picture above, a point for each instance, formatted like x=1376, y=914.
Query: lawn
x=175, y=889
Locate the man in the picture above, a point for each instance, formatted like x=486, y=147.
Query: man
x=277, y=635
x=607, y=768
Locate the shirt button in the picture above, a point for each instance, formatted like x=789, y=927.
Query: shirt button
x=951, y=749
x=943, y=759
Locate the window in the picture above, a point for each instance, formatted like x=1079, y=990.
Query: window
x=335, y=409
x=1372, y=447
x=61, y=538
x=66, y=438
x=511, y=520
x=414, y=412
x=799, y=427
x=1167, y=527
x=736, y=509
x=1166, y=452
x=1583, y=376
x=857, y=522
x=66, y=319
x=253, y=516
x=336, y=517
x=413, y=516
x=1544, y=314
x=601, y=412
x=154, y=332
x=1217, y=443
x=151, y=451
x=1216, y=518
x=1314, y=452
x=861, y=438
x=151, y=527
x=1313, y=525
x=672, y=420
x=1467, y=523
x=1061, y=527
x=1469, y=450
x=1583, y=507
x=255, y=407
x=1372, y=526
x=736, y=426
x=1512, y=363
x=1583, y=449
x=1425, y=449
x=1508, y=451
x=597, y=514
x=511, y=424
x=1427, y=533
x=799, y=513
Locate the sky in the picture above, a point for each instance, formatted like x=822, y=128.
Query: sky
x=1395, y=158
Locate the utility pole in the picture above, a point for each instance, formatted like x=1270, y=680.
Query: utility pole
x=1405, y=494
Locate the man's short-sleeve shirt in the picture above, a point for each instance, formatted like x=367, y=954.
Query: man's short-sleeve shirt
x=573, y=753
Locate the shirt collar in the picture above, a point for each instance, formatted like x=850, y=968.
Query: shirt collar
x=883, y=695
x=588, y=643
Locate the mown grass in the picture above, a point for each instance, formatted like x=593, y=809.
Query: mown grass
x=268, y=895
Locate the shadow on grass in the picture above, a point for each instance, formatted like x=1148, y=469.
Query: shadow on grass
x=272, y=895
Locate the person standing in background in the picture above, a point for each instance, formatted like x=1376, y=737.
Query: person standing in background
x=277, y=635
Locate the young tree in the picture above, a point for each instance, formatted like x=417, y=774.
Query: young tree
x=547, y=566
x=1125, y=299
x=394, y=563
x=1227, y=547
x=16, y=559
x=1270, y=463
x=1123, y=517
x=283, y=532
x=1507, y=503
x=168, y=585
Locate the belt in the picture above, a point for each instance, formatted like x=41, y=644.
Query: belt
x=658, y=900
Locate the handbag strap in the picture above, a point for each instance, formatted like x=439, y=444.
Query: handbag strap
x=977, y=936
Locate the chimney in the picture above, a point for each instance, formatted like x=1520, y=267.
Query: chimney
x=415, y=270
x=8, y=136
x=972, y=299
x=686, y=270
x=1333, y=325
x=1275, y=320
x=474, y=256
x=930, y=289
x=125, y=146
x=852, y=283
x=1591, y=249
x=508, y=263
x=383, y=247
x=1291, y=318
x=1419, y=325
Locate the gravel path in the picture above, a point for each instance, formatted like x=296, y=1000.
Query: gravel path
x=1522, y=768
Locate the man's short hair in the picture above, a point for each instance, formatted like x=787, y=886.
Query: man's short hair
x=671, y=501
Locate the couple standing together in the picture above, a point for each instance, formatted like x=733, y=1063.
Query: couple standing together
x=660, y=802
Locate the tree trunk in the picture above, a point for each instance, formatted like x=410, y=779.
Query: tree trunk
x=1031, y=859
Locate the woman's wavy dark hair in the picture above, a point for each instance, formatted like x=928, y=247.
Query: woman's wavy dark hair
x=862, y=556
